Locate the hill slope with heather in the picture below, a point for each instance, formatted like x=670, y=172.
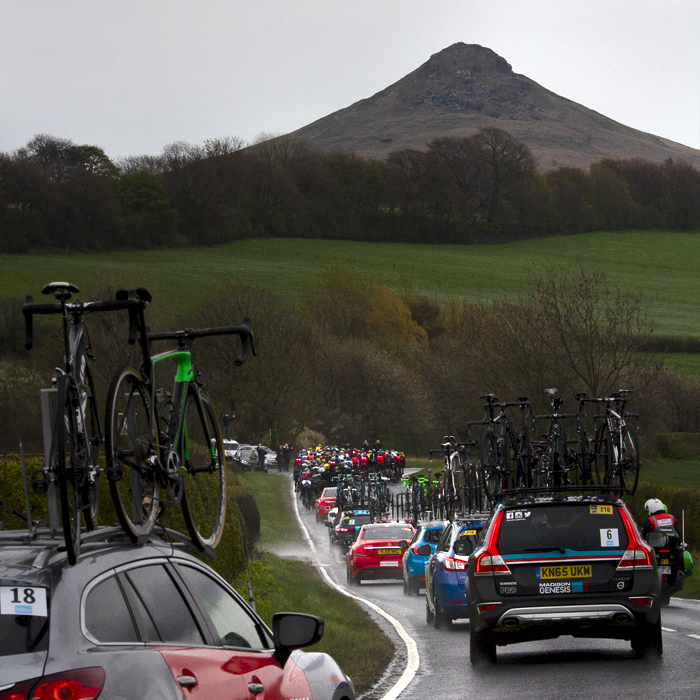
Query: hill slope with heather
x=465, y=88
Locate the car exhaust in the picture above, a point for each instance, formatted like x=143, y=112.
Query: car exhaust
x=621, y=617
x=510, y=622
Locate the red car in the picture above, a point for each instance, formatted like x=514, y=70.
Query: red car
x=325, y=502
x=377, y=551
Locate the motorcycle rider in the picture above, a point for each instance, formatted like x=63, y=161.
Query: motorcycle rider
x=659, y=520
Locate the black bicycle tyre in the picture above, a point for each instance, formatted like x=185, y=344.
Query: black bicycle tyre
x=66, y=468
x=204, y=500
x=130, y=446
x=603, y=456
x=89, y=490
x=489, y=466
x=629, y=460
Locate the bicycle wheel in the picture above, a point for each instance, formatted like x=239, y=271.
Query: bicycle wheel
x=67, y=466
x=88, y=415
x=629, y=460
x=131, y=445
x=490, y=468
x=603, y=456
x=202, y=454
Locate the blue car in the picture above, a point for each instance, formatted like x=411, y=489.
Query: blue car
x=446, y=571
x=413, y=563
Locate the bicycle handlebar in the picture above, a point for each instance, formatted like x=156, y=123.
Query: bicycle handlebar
x=244, y=332
x=76, y=308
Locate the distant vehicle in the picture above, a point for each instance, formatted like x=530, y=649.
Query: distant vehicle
x=146, y=622
x=325, y=502
x=413, y=563
x=377, y=552
x=230, y=448
x=347, y=525
x=446, y=571
x=245, y=457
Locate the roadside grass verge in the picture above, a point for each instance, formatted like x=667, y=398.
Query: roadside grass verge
x=351, y=636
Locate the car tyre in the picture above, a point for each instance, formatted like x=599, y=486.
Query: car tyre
x=482, y=648
x=648, y=638
x=352, y=580
x=441, y=621
x=429, y=615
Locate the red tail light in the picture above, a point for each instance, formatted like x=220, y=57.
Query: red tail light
x=638, y=553
x=487, y=607
x=80, y=684
x=359, y=552
x=452, y=564
x=490, y=562
x=642, y=600
x=343, y=529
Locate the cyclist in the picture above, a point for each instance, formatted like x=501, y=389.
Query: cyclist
x=659, y=520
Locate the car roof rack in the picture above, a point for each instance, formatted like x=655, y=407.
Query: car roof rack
x=602, y=494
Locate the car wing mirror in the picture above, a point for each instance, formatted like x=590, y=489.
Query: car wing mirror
x=403, y=544
x=292, y=631
x=425, y=550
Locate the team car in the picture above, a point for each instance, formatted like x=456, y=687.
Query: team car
x=446, y=572
x=563, y=566
x=377, y=551
x=413, y=562
x=325, y=502
x=150, y=621
x=347, y=524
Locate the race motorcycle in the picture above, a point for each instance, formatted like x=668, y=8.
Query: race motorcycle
x=675, y=563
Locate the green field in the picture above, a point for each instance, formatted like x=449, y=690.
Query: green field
x=663, y=266
x=683, y=362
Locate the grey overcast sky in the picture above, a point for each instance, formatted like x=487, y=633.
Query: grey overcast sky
x=132, y=76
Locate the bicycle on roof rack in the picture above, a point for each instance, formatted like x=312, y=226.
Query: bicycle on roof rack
x=506, y=457
x=167, y=447
x=73, y=464
x=616, y=451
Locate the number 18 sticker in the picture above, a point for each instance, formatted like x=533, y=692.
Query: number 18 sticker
x=23, y=600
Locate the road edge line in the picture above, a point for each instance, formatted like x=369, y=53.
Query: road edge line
x=413, y=658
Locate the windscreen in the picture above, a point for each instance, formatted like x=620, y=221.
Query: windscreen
x=583, y=527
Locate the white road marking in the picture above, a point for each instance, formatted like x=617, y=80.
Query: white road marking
x=413, y=660
x=668, y=629
x=694, y=636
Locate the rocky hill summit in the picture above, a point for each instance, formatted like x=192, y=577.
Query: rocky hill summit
x=467, y=87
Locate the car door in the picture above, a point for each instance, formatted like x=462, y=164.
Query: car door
x=240, y=640
x=168, y=621
x=434, y=562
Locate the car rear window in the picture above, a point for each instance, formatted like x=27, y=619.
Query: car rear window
x=577, y=526
x=393, y=532
x=432, y=536
x=356, y=519
x=329, y=492
x=22, y=633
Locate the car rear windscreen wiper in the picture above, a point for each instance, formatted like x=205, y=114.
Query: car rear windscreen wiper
x=545, y=549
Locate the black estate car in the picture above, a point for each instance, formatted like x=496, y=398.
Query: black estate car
x=563, y=566
x=130, y=622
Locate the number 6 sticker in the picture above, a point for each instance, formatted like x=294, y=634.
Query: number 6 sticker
x=23, y=600
x=609, y=537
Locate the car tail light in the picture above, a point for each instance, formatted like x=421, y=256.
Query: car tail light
x=80, y=684
x=343, y=529
x=637, y=558
x=486, y=607
x=452, y=564
x=359, y=552
x=642, y=600
x=489, y=564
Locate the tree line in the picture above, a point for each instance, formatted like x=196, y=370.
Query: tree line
x=355, y=360
x=57, y=195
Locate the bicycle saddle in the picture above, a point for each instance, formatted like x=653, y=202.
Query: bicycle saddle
x=61, y=290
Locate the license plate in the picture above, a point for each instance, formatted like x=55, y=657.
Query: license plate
x=388, y=551
x=665, y=561
x=561, y=572
x=665, y=570
x=388, y=563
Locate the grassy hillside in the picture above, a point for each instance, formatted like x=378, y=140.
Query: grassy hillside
x=661, y=265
